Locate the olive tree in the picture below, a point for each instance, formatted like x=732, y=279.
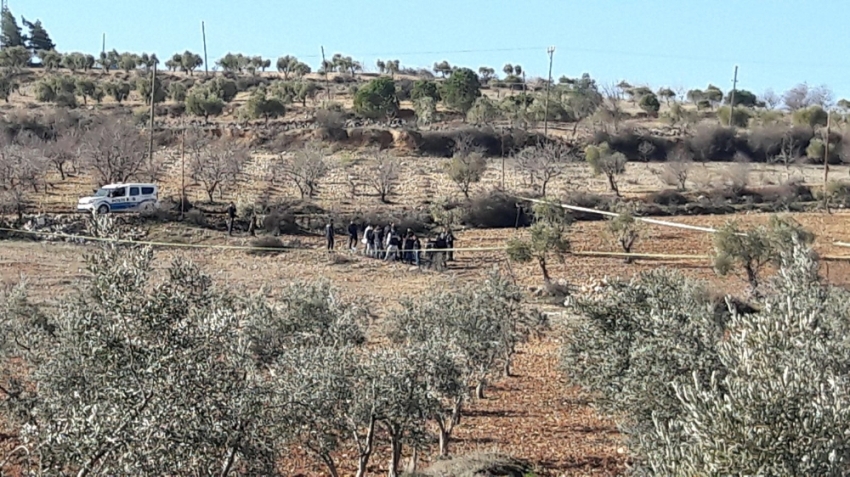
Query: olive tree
x=603, y=160
x=752, y=250
x=625, y=230
x=467, y=165
x=547, y=239
x=779, y=407
x=142, y=375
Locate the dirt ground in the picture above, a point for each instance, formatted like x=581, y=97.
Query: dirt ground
x=536, y=414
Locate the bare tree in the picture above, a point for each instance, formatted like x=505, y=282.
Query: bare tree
x=546, y=162
x=384, y=174
x=63, y=151
x=218, y=166
x=677, y=167
x=610, y=108
x=770, y=99
x=114, y=150
x=789, y=150
x=467, y=165
x=305, y=168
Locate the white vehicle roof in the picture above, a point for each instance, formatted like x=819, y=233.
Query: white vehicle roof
x=126, y=184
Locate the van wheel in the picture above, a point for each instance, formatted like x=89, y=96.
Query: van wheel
x=103, y=209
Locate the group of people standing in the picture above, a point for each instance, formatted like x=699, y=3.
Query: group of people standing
x=388, y=243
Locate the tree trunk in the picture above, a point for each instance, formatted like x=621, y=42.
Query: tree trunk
x=444, y=442
x=395, y=455
x=542, y=262
x=506, y=368
x=210, y=194
x=613, y=185
x=366, y=451
x=479, y=389
x=331, y=465
x=414, y=460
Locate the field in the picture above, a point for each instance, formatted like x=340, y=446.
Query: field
x=536, y=414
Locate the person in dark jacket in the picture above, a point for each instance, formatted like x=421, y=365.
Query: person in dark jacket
x=407, y=256
x=352, y=236
x=329, y=235
x=393, y=247
x=450, y=244
x=379, y=242
x=417, y=249
x=231, y=217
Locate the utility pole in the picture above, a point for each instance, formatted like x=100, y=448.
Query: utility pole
x=732, y=98
x=325, y=69
x=153, y=96
x=103, y=45
x=204, y=36
x=826, y=165
x=182, y=167
x=551, y=52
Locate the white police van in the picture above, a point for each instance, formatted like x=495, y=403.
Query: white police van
x=129, y=197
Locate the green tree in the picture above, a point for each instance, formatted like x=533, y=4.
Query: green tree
x=376, y=99
x=423, y=88
x=483, y=111
x=259, y=105
x=7, y=85
x=603, y=160
x=467, y=165
x=649, y=103
x=143, y=86
x=86, y=88
x=175, y=62
x=547, y=239
x=203, y=101
x=667, y=94
x=224, y=88
x=38, y=39
x=625, y=230
x=461, y=89
x=119, y=90
x=177, y=91
x=740, y=117
x=109, y=60
x=128, y=61
x=713, y=95
x=744, y=98
x=442, y=68
x=753, y=249
x=189, y=62
x=10, y=32
x=812, y=116
x=51, y=60
x=15, y=57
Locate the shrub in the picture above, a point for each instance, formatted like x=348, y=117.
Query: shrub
x=603, y=160
x=812, y=116
x=625, y=230
x=196, y=217
x=377, y=99
x=713, y=143
x=495, y=209
x=267, y=246
x=740, y=118
x=667, y=197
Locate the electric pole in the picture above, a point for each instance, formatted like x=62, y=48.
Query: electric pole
x=732, y=98
x=103, y=45
x=153, y=97
x=551, y=52
x=204, y=37
x=325, y=69
x=182, y=166
x=826, y=165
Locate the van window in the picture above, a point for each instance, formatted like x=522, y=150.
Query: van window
x=147, y=190
x=134, y=191
x=119, y=192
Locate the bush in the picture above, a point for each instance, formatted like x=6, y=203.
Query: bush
x=714, y=143
x=740, y=117
x=196, y=217
x=812, y=116
x=666, y=197
x=376, y=99
x=628, y=142
x=495, y=209
x=267, y=246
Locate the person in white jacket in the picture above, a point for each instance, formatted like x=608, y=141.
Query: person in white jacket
x=368, y=240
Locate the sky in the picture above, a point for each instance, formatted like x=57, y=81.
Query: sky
x=675, y=43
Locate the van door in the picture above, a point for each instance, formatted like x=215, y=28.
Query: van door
x=134, y=198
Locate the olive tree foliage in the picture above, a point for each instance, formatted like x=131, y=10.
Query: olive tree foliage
x=305, y=168
x=143, y=376
x=678, y=167
x=467, y=165
x=218, y=166
x=23, y=171
x=546, y=162
x=752, y=250
x=780, y=404
x=547, y=238
x=603, y=160
x=625, y=230
x=472, y=333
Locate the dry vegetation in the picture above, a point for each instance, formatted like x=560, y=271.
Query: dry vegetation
x=292, y=148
